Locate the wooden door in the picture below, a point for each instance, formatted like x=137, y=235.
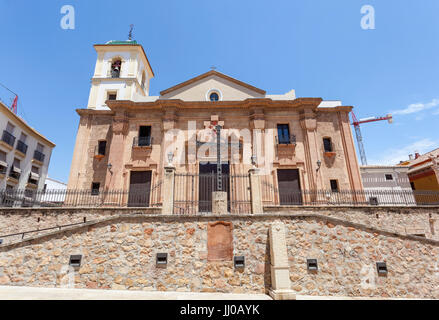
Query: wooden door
x=289, y=187
x=140, y=188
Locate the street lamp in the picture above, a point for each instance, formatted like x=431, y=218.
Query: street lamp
x=319, y=163
x=253, y=159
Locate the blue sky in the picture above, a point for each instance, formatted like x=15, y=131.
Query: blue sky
x=316, y=47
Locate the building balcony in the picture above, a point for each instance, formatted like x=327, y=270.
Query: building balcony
x=286, y=140
x=3, y=169
x=39, y=157
x=7, y=140
x=286, y=146
x=33, y=179
x=99, y=154
x=14, y=174
x=21, y=148
x=329, y=150
x=142, y=142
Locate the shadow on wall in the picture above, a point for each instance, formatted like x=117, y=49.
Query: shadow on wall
x=267, y=269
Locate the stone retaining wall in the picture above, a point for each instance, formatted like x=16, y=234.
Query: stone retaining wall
x=403, y=220
x=119, y=253
x=15, y=220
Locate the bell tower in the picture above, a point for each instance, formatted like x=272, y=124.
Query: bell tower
x=122, y=72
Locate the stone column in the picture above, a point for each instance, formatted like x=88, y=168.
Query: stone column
x=80, y=154
x=280, y=269
x=219, y=202
x=168, y=190
x=309, y=125
x=255, y=189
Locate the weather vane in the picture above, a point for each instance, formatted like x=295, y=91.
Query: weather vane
x=130, y=34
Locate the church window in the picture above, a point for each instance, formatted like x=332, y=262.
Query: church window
x=112, y=96
x=334, y=185
x=144, y=136
x=283, y=133
x=102, y=146
x=95, y=188
x=327, y=144
x=214, y=96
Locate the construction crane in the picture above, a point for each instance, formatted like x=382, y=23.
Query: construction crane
x=356, y=123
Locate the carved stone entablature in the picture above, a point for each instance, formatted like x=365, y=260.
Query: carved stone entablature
x=120, y=123
x=286, y=151
x=141, y=164
x=257, y=118
x=309, y=124
x=141, y=152
x=169, y=118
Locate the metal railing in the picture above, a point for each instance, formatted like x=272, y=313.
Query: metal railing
x=82, y=198
x=272, y=196
x=8, y=138
x=23, y=233
x=38, y=155
x=21, y=146
x=193, y=192
x=286, y=140
x=142, y=141
x=14, y=174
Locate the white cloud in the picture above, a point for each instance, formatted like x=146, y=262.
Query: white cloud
x=417, y=107
x=394, y=155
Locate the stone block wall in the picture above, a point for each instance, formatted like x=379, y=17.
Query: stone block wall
x=402, y=220
x=347, y=257
x=15, y=220
x=120, y=253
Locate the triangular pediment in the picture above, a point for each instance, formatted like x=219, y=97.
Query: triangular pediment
x=199, y=88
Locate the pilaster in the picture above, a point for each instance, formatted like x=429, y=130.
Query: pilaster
x=280, y=269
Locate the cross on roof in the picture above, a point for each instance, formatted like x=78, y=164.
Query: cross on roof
x=130, y=34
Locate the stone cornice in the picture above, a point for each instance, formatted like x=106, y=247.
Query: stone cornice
x=300, y=103
x=86, y=112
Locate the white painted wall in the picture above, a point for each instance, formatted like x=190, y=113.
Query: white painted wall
x=26, y=162
x=52, y=184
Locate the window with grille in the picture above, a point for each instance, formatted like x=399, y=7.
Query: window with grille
x=283, y=133
x=144, y=136
x=334, y=185
x=95, y=188
x=102, y=146
x=327, y=144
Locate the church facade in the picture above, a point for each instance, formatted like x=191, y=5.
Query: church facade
x=126, y=137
